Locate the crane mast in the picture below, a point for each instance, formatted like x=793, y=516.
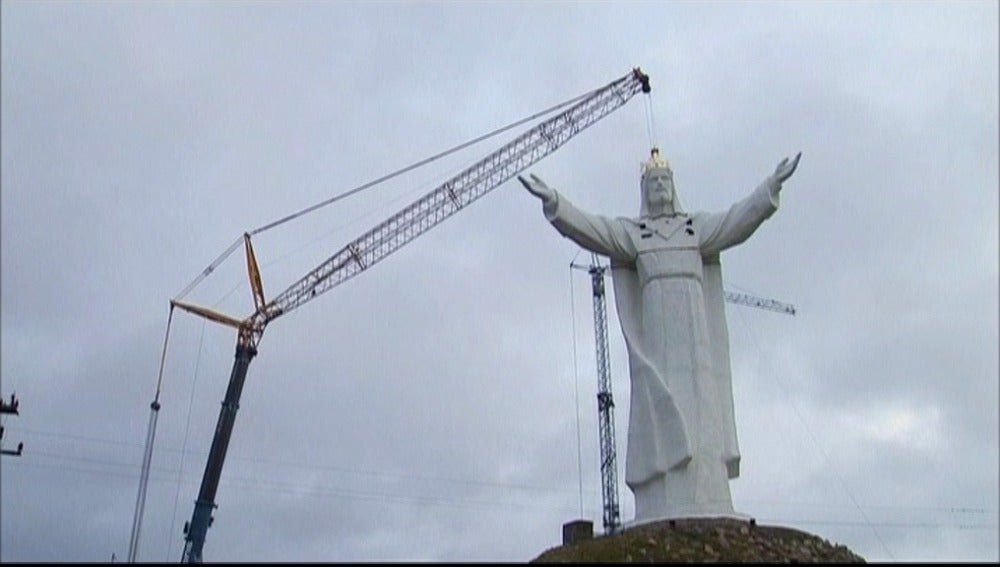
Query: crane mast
x=373, y=246
x=605, y=401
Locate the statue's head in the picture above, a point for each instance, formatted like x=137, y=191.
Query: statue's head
x=657, y=183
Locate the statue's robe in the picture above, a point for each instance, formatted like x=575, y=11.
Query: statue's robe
x=682, y=445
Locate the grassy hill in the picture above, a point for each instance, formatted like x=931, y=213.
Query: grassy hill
x=703, y=540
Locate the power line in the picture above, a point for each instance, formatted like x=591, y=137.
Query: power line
x=307, y=467
x=258, y=485
x=795, y=408
x=297, y=465
x=913, y=525
x=529, y=503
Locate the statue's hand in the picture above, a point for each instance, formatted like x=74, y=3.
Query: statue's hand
x=538, y=188
x=785, y=169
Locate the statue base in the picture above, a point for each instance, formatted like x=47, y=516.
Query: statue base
x=744, y=518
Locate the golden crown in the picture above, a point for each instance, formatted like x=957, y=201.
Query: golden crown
x=655, y=162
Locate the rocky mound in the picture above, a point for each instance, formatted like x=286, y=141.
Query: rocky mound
x=699, y=540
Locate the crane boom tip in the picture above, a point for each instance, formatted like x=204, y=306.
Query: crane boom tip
x=643, y=79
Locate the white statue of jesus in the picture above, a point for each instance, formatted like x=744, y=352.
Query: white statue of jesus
x=682, y=447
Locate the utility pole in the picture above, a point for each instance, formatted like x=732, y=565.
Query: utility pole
x=12, y=409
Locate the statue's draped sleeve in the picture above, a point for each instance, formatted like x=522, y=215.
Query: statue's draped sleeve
x=726, y=229
x=718, y=331
x=596, y=233
x=657, y=434
x=719, y=231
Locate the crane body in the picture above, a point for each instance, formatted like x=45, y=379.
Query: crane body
x=197, y=528
x=373, y=246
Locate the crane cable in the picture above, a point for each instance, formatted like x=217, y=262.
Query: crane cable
x=187, y=429
x=232, y=248
x=654, y=143
x=147, y=456
x=576, y=385
x=650, y=122
x=211, y=267
x=420, y=163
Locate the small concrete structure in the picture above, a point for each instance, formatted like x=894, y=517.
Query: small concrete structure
x=577, y=530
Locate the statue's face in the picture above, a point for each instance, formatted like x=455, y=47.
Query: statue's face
x=658, y=186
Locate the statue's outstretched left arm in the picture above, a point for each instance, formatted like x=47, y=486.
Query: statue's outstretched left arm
x=728, y=228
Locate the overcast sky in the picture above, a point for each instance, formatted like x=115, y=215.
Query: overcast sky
x=430, y=408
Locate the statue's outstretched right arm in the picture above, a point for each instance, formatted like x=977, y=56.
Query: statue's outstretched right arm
x=785, y=169
x=593, y=232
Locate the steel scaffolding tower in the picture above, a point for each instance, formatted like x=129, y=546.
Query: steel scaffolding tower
x=605, y=400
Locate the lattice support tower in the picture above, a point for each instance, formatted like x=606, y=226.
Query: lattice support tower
x=605, y=404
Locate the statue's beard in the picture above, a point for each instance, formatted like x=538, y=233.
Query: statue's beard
x=659, y=204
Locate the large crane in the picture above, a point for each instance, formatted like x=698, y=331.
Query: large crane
x=368, y=249
x=605, y=397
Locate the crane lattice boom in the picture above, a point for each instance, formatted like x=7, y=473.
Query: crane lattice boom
x=454, y=194
x=751, y=301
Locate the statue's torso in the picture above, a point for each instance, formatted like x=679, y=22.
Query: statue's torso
x=666, y=247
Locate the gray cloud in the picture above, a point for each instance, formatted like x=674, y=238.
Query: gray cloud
x=426, y=409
